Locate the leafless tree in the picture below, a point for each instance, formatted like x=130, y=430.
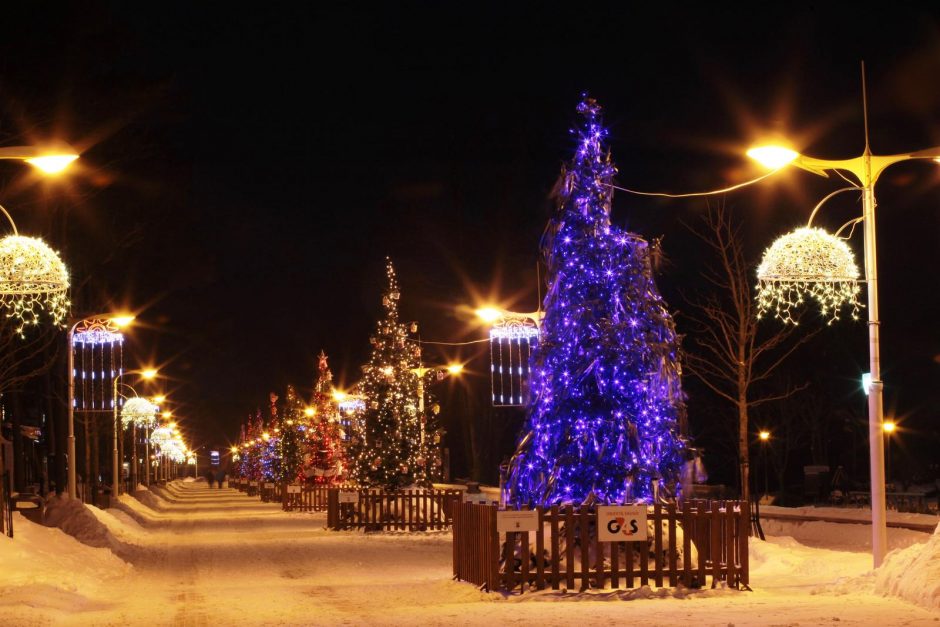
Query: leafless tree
x=729, y=350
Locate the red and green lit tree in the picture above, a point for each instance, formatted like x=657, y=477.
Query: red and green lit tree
x=388, y=446
x=326, y=464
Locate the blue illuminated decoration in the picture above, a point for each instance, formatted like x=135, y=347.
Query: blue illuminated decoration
x=605, y=392
x=511, y=345
x=97, y=336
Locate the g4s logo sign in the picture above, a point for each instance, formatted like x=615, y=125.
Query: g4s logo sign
x=621, y=523
x=626, y=527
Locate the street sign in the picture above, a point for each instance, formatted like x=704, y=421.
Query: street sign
x=293, y=489
x=621, y=523
x=348, y=496
x=522, y=520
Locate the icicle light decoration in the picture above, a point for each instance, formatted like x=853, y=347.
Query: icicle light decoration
x=809, y=262
x=138, y=411
x=33, y=279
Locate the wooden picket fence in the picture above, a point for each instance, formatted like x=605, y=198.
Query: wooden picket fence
x=270, y=491
x=718, y=531
x=308, y=498
x=400, y=510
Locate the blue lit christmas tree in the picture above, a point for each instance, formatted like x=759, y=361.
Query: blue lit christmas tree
x=605, y=391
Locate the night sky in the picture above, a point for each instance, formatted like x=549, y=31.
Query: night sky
x=244, y=173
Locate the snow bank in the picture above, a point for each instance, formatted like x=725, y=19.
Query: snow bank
x=90, y=525
x=151, y=500
x=44, y=567
x=913, y=573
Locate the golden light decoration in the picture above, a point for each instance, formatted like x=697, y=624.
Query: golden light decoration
x=809, y=262
x=160, y=436
x=138, y=411
x=33, y=279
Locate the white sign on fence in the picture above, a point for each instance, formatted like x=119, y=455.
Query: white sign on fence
x=621, y=523
x=522, y=520
x=253, y=484
x=475, y=497
x=293, y=489
x=268, y=486
x=348, y=496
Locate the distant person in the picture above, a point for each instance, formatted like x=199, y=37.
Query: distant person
x=220, y=477
x=210, y=477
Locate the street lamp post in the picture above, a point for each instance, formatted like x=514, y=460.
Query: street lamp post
x=147, y=373
x=105, y=323
x=764, y=437
x=866, y=168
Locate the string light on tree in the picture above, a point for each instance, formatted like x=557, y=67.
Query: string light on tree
x=605, y=391
x=388, y=446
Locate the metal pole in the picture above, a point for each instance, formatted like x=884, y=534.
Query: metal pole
x=879, y=531
x=134, y=456
x=71, y=438
x=147, y=464
x=114, y=456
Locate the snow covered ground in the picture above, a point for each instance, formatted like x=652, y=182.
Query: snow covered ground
x=189, y=555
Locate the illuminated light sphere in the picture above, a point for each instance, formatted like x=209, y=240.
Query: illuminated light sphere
x=33, y=279
x=809, y=262
x=138, y=411
x=161, y=436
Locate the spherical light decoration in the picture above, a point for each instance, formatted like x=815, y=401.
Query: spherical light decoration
x=809, y=262
x=138, y=411
x=33, y=279
x=160, y=436
x=174, y=451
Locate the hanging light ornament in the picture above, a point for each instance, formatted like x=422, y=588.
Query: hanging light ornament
x=138, y=411
x=33, y=279
x=809, y=262
x=161, y=436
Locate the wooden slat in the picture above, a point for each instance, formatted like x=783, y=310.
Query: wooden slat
x=658, y=543
x=728, y=543
x=644, y=563
x=569, y=547
x=585, y=543
x=673, y=549
x=687, y=544
x=540, y=550
x=744, y=525
x=614, y=564
x=509, y=563
x=524, y=555
x=714, y=543
x=555, y=550
x=629, y=553
x=598, y=555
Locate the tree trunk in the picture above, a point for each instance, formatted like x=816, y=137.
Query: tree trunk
x=743, y=452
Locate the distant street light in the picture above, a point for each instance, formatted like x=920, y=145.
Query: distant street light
x=147, y=374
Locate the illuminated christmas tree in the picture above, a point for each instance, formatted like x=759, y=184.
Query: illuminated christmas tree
x=292, y=438
x=388, y=446
x=605, y=391
x=250, y=465
x=270, y=460
x=326, y=460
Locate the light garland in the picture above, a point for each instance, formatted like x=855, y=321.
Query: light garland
x=139, y=411
x=809, y=262
x=33, y=279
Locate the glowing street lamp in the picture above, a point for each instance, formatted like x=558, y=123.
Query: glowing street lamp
x=784, y=289
x=764, y=437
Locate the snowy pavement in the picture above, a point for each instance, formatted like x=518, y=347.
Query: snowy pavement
x=194, y=556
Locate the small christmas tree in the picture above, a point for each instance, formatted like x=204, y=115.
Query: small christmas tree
x=389, y=446
x=250, y=466
x=291, y=438
x=326, y=459
x=270, y=460
x=605, y=388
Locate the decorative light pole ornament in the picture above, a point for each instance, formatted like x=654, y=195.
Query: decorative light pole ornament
x=161, y=436
x=807, y=262
x=138, y=411
x=33, y=279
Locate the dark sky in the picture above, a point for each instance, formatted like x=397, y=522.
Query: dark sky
x=245, y=173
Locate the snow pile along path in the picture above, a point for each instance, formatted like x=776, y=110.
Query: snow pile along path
x=913, y=573
x=211, y=556
x=51, y=574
